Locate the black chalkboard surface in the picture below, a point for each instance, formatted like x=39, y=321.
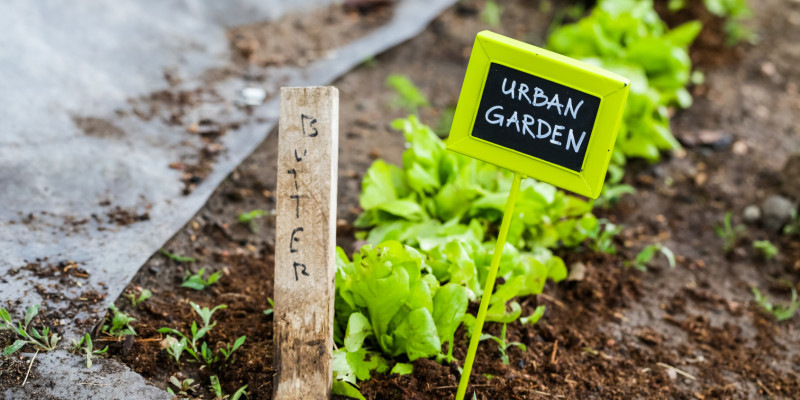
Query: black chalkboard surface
x=537, y=117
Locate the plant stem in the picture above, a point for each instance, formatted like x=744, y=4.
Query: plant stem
x=489, y=287
x=29, y=367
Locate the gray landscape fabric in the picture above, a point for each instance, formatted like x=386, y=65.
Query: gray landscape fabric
x=63, y=62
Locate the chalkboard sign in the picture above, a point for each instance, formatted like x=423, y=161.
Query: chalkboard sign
x=540, y=118
x=538, y=113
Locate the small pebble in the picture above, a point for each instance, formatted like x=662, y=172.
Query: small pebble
x=751, y=214
x=740, y=148
x=777, y=212
x=253, y=96
x=762, y=112
x=153, y=270
x=768, y=69
x=700, y=179
x=577, y=272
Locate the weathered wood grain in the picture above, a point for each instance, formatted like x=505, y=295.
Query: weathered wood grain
x=305, y=242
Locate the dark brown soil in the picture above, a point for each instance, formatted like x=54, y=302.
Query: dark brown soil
x=170, y=307
x=692, y=332
x=319, y=32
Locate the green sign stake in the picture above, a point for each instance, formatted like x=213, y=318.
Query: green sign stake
x=538, y=114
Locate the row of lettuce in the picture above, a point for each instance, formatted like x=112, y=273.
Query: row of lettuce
x=431, y=224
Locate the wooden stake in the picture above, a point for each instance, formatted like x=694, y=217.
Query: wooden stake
x=305, y=242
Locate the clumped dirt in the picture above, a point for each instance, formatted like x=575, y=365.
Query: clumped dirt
x=692, y=332
x=97, y=127
x=319, y=31
x=305, y=37
x=123, y=217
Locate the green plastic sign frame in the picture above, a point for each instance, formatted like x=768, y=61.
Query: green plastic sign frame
x=491, y=50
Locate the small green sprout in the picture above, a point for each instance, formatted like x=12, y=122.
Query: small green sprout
x=271, y=307
x=445, y=121
x=728, y=233
x=780, y=312
x=202, y=352
x=402, y=369
x=177, y=258
x=120, y=323
x=85, y=346
x=533, y=318
x=216, y=388
x=174, y=348
x=603, y=237
x=184, y=386
x=144, y=294
x=793, y=227
x=206, y=314
x=491, y=13
x=646, y=255
x=369, y=62
x=249, y=218
x=612, y=194
x=197, y=282
x=44, y=341
x=502, y=344
x=766, y=248
x=408, y=97
x=228, y=350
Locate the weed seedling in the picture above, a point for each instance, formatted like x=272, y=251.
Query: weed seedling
x=646, y=255
x=780, y=312
x=603, y=237
x=84, y=345
x=445, y=121
x=502, y=344
x=174, y=348
x=197, y=282
x=793, y=227
x=271, y=307
x=216, y=388
x=369, y=62
x=728, y=233
x=533, y=318
x=144, y=294
x=249, y=219
x=120, y=323
x=45, y=340
x=408, y=95
x=203, y=352
x=227, y=351
x=184, y=386
x=766, y=248
x=612, y=194
x=491, y=13
x=177, y=258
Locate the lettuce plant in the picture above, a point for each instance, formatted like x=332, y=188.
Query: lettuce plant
x=437, y=192
x=733, y=11
x=389, y=303
x=628, y=37
x=389, y=295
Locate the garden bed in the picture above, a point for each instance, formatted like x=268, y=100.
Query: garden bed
x=688, y=332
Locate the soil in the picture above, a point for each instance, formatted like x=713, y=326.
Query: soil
x=689, y=332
